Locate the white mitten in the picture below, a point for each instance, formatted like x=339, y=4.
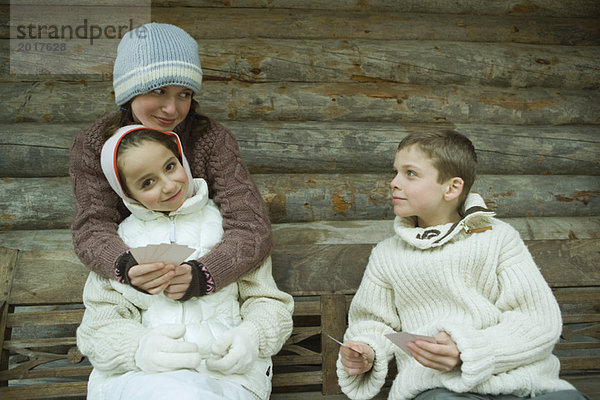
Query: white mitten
x=160, y=351
x=235, y=351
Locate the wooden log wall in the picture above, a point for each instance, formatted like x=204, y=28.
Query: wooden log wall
x=318, y=94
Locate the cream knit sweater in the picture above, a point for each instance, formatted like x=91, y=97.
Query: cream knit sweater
x=481, y=286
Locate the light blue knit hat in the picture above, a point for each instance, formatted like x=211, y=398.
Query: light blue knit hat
x=153, y=56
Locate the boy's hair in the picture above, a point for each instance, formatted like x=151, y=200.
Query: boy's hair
x=451, y=153
x=140, y=136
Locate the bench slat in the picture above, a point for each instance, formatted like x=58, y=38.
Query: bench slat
x=60, y=372
x=45, y=318
x=44, y=391
x=297, y=378
x=579, y=363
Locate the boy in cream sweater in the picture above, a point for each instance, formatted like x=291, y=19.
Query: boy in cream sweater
x=454, y=272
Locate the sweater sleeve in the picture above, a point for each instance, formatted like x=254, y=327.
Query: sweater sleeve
x=98, y=209
x=247, y=238
x=111, y=327
x=372, y=315
x=527, y=329
x=267, y=308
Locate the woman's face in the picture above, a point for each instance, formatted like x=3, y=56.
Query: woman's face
x=162, y=109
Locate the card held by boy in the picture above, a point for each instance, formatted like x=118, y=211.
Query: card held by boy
x=401, y=338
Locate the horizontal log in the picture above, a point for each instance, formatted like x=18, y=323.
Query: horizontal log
x=314, y=23
x=368, y=101
x=340, y=232
x=298, y=269
x=20, y=144
x=315, y=269
x=389, y=102
x=47, y=239
x=340, y=24
x=557, y=8
x=412, y=62
x=374, y=231
x=39, y=273
x=334, y=147
x=46, y=203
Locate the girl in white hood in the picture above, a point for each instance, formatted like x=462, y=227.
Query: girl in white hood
x=146, y=346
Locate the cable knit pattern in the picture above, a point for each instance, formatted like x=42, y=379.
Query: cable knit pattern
x=481, y=286
x=214, y=157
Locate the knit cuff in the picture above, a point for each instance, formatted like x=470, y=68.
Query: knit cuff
x=368, y=384
x=122, y=267
x=477, y=357
x=202, y=282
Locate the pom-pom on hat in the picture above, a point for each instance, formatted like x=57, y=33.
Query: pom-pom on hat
x=108, y=160
x=153, y=56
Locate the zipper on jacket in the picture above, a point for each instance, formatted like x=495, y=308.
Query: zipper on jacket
x=172, y=229
x=172, y=240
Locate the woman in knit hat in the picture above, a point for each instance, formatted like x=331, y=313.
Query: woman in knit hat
x=156, y=74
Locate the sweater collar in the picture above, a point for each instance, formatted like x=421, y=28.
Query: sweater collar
x=477, y=217
x=190, y=205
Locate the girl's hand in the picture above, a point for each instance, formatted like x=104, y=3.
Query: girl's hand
x=355, y=363
x=180, y=282
x=442, y=356
x=152, y=278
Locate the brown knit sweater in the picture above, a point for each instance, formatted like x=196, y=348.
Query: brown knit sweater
x=247, y=238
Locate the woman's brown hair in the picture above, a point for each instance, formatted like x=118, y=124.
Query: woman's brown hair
x=194, y=125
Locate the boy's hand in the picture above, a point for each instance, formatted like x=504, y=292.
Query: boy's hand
x=442, y=356
x=180, y=282
x=355, y=363
x=152, y=278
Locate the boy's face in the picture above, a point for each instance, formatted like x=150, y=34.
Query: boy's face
x=154, y=176
x=416, y=190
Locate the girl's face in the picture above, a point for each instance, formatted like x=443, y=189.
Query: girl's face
x=416, y=190
x=154, y=176
x=162, y=109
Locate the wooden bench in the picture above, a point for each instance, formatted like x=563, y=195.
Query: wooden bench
x=41, y=306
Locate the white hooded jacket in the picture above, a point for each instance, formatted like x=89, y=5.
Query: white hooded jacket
x=117, y=315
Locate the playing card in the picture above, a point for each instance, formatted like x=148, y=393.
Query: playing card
x=356, y=351
x=400, y=339
x=167, y=253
